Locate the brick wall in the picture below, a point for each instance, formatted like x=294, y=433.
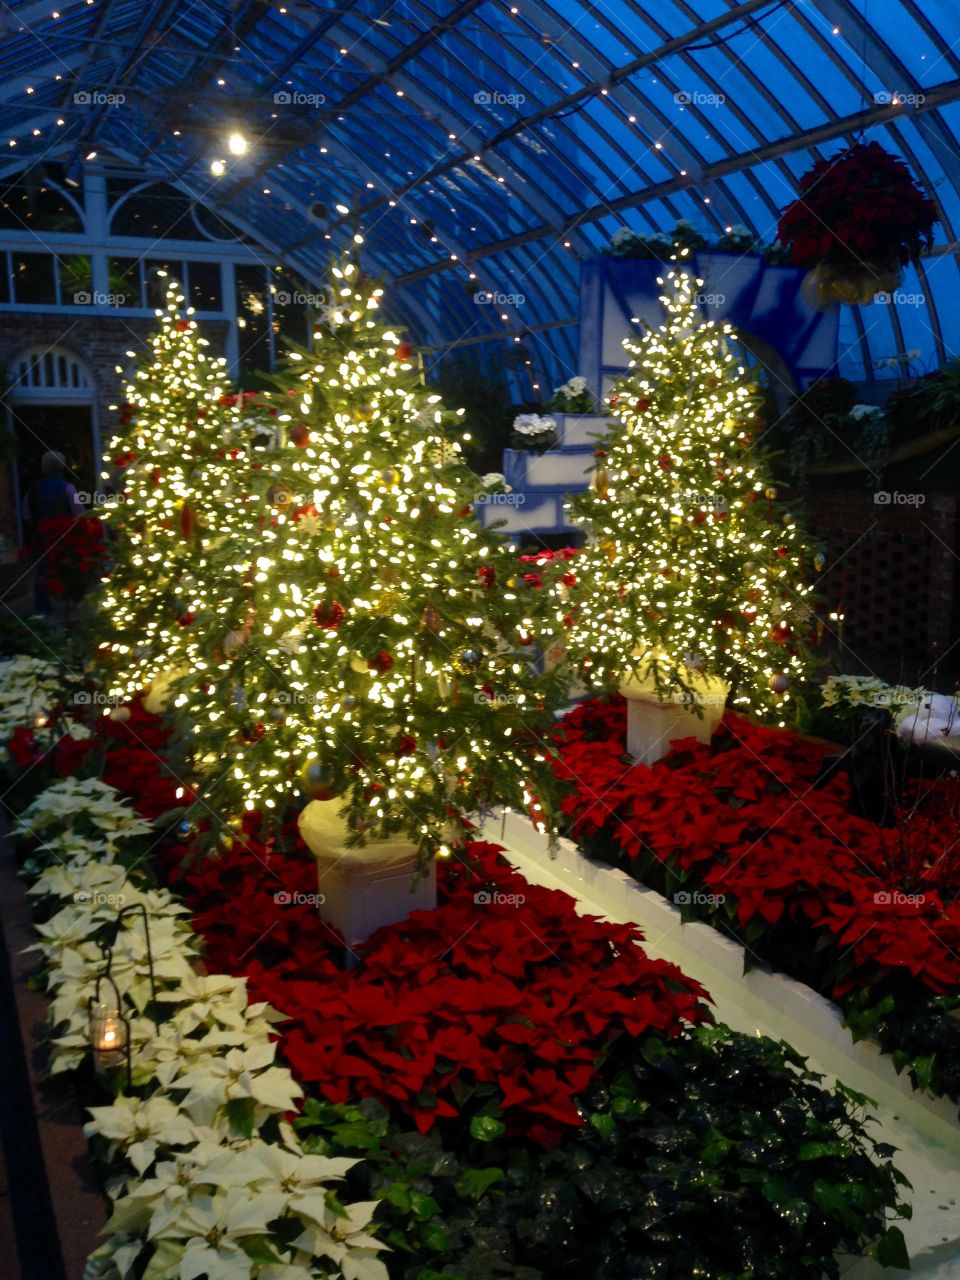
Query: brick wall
x=893, y=568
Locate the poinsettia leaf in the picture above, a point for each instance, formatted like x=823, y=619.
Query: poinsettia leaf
x=240, y=1113
x=258, y=1249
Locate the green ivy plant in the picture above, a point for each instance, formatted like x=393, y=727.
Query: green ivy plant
x=715, y=1154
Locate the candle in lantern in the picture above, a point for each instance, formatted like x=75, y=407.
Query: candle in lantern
x=108, y=1035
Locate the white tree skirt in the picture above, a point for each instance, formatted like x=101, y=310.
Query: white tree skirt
x=926, y=1131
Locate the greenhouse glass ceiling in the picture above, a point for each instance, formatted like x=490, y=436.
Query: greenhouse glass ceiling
x=486, y=146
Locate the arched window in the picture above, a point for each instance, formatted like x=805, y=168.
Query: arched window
x=50, y=374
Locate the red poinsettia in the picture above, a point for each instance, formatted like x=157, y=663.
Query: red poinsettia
x=860, y=206
x=741, y=816
x=74, y=553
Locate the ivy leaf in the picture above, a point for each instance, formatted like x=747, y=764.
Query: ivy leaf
x=819, y=1150
x=424, y=1207
x=891, y=1249
x=435, y=1238
x=604, y=1124
x=486, y=1128
x=473, y=1183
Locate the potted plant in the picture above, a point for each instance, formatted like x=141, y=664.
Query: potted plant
x=573, y=396
x=858, y=220
x=534, y=432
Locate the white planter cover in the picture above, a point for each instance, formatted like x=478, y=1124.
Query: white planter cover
x=652, y=723
x=361, y=889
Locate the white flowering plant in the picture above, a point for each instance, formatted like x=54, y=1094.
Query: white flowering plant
x=32, y=695
x=572, y=396
x=79, y=807
x=533, y=431
x=205, y=1174
x=737, y=239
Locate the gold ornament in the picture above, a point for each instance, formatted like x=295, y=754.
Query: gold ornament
x=387, y=604
x=770, y=492
x=358, y=663
x=444, y=685
x=609, y=549
x=601, y=481
x=389, y=477
x=467, y=661
x=316, y=781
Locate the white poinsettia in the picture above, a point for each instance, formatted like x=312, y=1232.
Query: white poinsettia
x=213, y=1228
x=140, y=1127
x=240, y=1074
x=343, y=1238
x=88, y=878
x=30, y=691
x=67, y=803
x=192, y=1192
x=533, y=424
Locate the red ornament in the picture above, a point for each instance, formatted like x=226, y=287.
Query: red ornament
x=643, y=404
x=782, y=552
x=719, y=516
x=256, y=733
x=300, y=435
x=568, y=579
x=749, y=613
x=381, y=662
x=665, y=462
x=725, y=619
x=487, y=575
x=183, y=325
x=328, y=614
x=781, y=633
x=404, y=351
x=699, y=517
x=524, y=638
x=405, y=745
x=186, y=618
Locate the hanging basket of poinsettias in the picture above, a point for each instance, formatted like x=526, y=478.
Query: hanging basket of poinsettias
x=859, y=219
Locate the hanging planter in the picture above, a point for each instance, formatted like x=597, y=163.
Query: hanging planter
x=859, y=219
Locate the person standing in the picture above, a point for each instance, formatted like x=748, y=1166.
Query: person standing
x=49, y=497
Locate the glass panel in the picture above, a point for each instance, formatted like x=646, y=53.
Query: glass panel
x=76, y=280
x=293, y=306
x=33, y=278
x=157, y=211
x=252, y=318
x=125, y=281
x=205, y=293
x=157, y=285
x=31, y=202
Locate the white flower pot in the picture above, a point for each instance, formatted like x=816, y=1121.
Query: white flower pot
x=653, y=722
x=361, y=889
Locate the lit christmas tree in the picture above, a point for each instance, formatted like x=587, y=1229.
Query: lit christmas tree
x=182, y=460
x=691, y=571
x=386, y=662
